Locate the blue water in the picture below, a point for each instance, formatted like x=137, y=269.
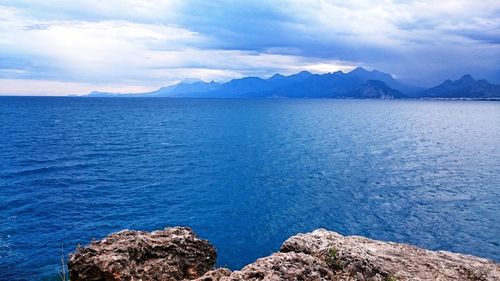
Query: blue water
x=245, y=174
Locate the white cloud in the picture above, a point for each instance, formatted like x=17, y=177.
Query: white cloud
x=421, y=41
x=138, y=44
x=86, y=50
x=326, y=67
x=383, y=22
x=137, y=55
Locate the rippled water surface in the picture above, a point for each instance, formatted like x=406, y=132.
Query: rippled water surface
x=245, y=174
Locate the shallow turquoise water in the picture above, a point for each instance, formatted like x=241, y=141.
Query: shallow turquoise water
x=245, y=174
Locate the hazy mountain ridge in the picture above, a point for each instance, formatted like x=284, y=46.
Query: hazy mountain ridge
x=358, y=83
x=465, y=87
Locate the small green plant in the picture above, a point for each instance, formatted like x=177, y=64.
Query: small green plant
x=391, y=278
x=332, y=253
x=332, y=259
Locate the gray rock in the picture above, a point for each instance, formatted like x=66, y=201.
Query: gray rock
x=278, y=266
x=214, y=275
x=361, y=258
x=177, y=254
x=171, y=254
x=284, y=266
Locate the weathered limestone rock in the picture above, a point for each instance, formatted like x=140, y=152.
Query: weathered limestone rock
x=359, y=258
x=284, y=266
x=177, y=254
x=214, y=275
x=326, y=255
x=171, y=254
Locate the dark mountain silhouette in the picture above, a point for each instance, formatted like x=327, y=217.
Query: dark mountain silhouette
x=465, y=87
x=377, y=89
x=387, y=79
x=359, y=83
x=307, y=85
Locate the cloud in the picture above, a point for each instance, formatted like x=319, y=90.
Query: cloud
x=144, y=11
x=419, y=41
x=136, y=44
x=85, y=50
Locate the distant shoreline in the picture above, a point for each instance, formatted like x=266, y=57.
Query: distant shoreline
x=251, y=98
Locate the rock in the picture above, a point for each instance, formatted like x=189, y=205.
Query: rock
x=284, y=266
x=360, y=258
x=177, y=254
x=214, y=275
x=278, y=266
x=171, y=254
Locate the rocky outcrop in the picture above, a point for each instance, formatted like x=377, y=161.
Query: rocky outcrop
x=177, y=254
x=360, y=258
x=171, y=254
x=281, y=266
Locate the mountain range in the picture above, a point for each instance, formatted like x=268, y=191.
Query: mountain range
x=358, y=83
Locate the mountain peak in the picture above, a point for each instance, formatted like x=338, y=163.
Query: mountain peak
x=304, y=73
x=190, y=81
x=364, y=74
x=465, y=87
x=359, y=70
x=276, y=76
x=467, y=78
x=301, y=75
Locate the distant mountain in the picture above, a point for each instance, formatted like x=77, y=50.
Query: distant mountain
x=465, y=87
x=377, y=89
x=106, y=94
x=363, y=74
x=185, y=88
x=358, y=83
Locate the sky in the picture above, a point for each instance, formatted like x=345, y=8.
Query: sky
x=62, y=47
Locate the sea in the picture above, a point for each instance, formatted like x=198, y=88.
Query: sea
x=244, y=173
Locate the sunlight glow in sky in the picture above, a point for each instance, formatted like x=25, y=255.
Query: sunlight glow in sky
x=63, y=47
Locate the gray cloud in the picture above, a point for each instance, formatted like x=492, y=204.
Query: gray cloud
x=144, y=44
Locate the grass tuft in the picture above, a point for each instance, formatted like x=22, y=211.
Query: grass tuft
x=332, y=259
x=62, y=273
